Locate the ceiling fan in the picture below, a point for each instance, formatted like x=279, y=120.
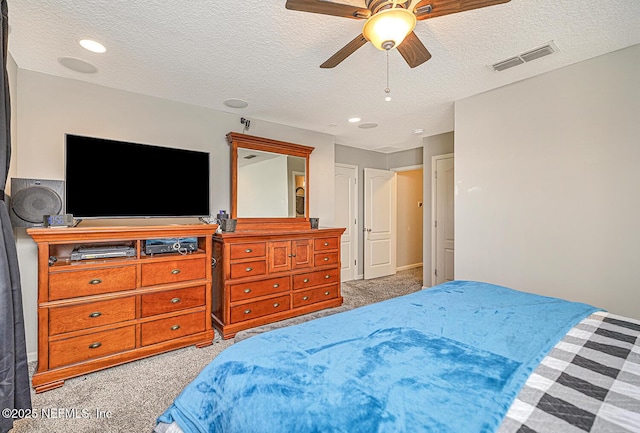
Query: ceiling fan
x=389, y=24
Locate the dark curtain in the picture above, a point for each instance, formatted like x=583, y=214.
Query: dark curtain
x=14, y=375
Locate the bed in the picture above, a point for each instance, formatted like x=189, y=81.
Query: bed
x=460, y=357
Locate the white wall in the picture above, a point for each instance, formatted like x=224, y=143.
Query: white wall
x=48, y=107
x=548, y=184
x=262, y=199
x=12, y=72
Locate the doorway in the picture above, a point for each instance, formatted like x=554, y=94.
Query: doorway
x=410, y=217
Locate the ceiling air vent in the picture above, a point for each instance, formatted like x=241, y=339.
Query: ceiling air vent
x=528, y=56
x=506, y=64
x=537, y=53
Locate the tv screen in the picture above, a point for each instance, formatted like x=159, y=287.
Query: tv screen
x=117, y=179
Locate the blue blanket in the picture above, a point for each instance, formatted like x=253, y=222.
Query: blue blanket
x=447, y=359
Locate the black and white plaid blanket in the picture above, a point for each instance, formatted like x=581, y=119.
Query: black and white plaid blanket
x=589, y=382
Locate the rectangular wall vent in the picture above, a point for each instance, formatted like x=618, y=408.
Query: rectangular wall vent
x=528, y=56
x=506, y=64
x=537, y=53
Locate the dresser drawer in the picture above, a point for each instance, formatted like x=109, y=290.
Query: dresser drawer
x=240, y=292
x=247, y=251
x=306, y=297
x=172, y=300
x=322, y=244
x=173, y=271
x=73, y=284
x=172, y=327
x=317, y=278
x=248, y=269
x=251, y=310
x=90, y=346
x=322, y=259
x=83, y=316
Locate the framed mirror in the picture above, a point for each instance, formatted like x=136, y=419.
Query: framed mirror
x=269, y=180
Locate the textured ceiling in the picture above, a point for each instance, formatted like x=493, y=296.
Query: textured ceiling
x=203, y=52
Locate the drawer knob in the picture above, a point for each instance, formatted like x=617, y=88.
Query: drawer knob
x=175, y=327
x=306, y=280
x=275, y=286
x=305, y=298
x=95, y=345
x=326, y=259
x=327, y=276
x=249, y=269
x=248, y=250
x=95, y=281
x=175, y=300
x=247, y=311
x=247, y=290
x=95, y=314
x=327, y=293
x=326, y=244
x=175, y=271
x=276, y=305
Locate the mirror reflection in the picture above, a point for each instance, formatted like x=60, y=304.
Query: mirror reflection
x=270, y=185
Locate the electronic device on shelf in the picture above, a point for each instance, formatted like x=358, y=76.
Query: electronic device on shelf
x=102, y=252
x=171, y=245
x=64, y=220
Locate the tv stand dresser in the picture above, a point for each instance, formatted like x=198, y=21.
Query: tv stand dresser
x=98, y=313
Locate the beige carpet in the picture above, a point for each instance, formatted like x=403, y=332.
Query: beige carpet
x=128, y=398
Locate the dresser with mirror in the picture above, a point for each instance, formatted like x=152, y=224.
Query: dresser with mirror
x=274, y=266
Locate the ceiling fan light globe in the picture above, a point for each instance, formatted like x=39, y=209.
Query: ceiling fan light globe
x=389, y=25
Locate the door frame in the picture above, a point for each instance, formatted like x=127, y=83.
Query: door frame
x=434, y=210
x=355, y=242
x=293, y=196
x=400, y=170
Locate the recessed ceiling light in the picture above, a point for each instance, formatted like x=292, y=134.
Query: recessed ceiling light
x=368, y=125
x=354, y=120
x=77, y=65
x=236, y=103
x=93, y=46
x=418, y=131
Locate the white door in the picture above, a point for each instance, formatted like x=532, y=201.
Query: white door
x=443, y=187
x=379, y=223
x=346, y=211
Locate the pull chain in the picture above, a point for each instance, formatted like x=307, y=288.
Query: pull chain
x=387, y=90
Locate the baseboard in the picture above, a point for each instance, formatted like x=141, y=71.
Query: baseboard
x=406, y=267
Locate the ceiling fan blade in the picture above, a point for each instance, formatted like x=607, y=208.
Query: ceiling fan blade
x=413, y=50
x=344, y=52
x=446, y=7
x=328, y=8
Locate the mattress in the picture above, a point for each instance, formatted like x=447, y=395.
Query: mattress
x=463, y=356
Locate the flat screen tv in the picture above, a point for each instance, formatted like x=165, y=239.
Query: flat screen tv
x=118, y=179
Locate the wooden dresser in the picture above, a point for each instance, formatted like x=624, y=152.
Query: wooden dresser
x=100, y=312
x=265, y=276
